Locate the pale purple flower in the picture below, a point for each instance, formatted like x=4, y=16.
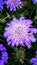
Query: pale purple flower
x=34, y=1
x=13, y=4
x=20, y=32
x=34, y=60
x=3, y=55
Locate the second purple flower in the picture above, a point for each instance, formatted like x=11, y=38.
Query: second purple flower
x=13, y=4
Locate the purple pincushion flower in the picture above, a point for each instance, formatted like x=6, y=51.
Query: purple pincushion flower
x=13, y=4
x=1, y=4
x=3, y=55
x=34, y=1
x=34, y=60
x=36, y=52
x=20, y=32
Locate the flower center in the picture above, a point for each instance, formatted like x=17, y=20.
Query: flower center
x=19, y=32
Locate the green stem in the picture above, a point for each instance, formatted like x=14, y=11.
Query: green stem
x=3, y=18
x=36, y=9
x=32, y=11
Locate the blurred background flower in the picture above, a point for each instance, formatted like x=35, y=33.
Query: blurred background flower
x=12, y=4
x=3, y=55
x=1, y=5
x=34, y=1
x=34, y=60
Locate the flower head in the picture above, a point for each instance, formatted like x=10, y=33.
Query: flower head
x=12, y=4
x=20, y=32
x=34, y=1
x=20, y=56
x=1, y=4
x=3, y=55
x=34, y=60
